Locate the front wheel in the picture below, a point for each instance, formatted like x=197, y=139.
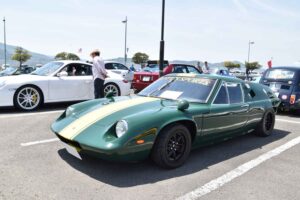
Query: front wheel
x=266, y=125
x=172, y=147
x=28, y=98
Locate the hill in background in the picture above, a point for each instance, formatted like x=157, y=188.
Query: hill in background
x=37, y=58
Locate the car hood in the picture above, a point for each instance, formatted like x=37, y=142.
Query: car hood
x=105, y=113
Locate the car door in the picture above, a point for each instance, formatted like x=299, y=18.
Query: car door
x=228, y=112
x=76, y=85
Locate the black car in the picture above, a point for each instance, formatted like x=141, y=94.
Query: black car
x=285, y=83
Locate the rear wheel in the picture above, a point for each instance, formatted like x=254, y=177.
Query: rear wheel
x=112, y=87
x=266, y=125
x=28, y=98
x=172, y=147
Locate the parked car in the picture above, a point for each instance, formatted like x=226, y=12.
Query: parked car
x=151, y=73
x=285, y=83
x=119, y=69
x=175, y=114
x=220, y=71
x=9, y=71
x=56, y=81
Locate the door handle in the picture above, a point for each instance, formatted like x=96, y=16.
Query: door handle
x=245, y=106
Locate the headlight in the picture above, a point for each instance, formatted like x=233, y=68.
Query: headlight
x=121, y=128
x=69, y=111
x=2, y=83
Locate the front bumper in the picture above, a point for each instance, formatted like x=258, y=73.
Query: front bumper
x=119, y=154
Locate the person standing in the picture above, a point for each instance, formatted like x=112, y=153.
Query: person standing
x=199, y=67
x=99, y=74
x=206, y=68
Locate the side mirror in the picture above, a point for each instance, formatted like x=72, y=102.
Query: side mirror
x=62, y=74
x=110, y=95
x=183, y=105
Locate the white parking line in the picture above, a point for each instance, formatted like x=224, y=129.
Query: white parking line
x=39, y=142
x=5, y=116
x=242, y=169
x=289, y=121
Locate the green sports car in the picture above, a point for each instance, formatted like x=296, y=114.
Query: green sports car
x=175, y=114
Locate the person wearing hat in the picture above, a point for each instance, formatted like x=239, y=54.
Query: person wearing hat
x=99, y=74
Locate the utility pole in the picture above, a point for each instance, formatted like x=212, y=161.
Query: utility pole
x=162, y=42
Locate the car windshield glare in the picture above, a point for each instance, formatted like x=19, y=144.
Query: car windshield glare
x=48, y=69
x=280, y=74
x=176, y=88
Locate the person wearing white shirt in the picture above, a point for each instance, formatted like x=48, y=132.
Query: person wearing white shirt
x=99, y=74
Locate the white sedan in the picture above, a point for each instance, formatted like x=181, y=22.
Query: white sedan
x=58, y=81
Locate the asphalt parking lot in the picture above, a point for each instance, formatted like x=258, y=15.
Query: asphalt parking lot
x=35, y=165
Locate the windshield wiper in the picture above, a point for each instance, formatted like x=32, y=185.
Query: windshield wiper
x=161, y=87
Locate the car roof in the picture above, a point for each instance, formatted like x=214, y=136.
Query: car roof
x=211, y=76
x=72, y=61
x=181, y=64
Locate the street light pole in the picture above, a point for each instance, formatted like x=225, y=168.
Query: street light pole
x=162, y=42
x=4, y=43
x=250, y=42
x=125, y=51
x=247, y=70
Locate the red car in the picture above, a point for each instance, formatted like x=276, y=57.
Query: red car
x=150, y=73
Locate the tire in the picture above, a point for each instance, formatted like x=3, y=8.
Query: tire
x=167, y=152
x=112, y=87
x=266, y=125
x=28, y=98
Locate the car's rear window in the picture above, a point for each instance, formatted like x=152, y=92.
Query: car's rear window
x=280, y=74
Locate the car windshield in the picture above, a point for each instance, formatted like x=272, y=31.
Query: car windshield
x=189, y=88
x=280, y=74
x=8, y=71
x=47, y=69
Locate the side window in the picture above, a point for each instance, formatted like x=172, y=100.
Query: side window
x=88, y=70
x=179, y=69
x=222, y=96
x=109, y=66
x=193, y=70
x=235, y=93
x=70, y=69
x=83, y=70
x=120, y=66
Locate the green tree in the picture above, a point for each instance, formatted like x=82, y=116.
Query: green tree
x=252, y=66
x=139, y=58
x=72, y=56
x=230, y=65
x=61, y=56
x=21, y=55
x=66, y=56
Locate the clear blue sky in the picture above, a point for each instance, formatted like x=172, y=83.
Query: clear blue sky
x=215, y=30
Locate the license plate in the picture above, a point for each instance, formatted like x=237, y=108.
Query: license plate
x=72, y=150
x=146, y=78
